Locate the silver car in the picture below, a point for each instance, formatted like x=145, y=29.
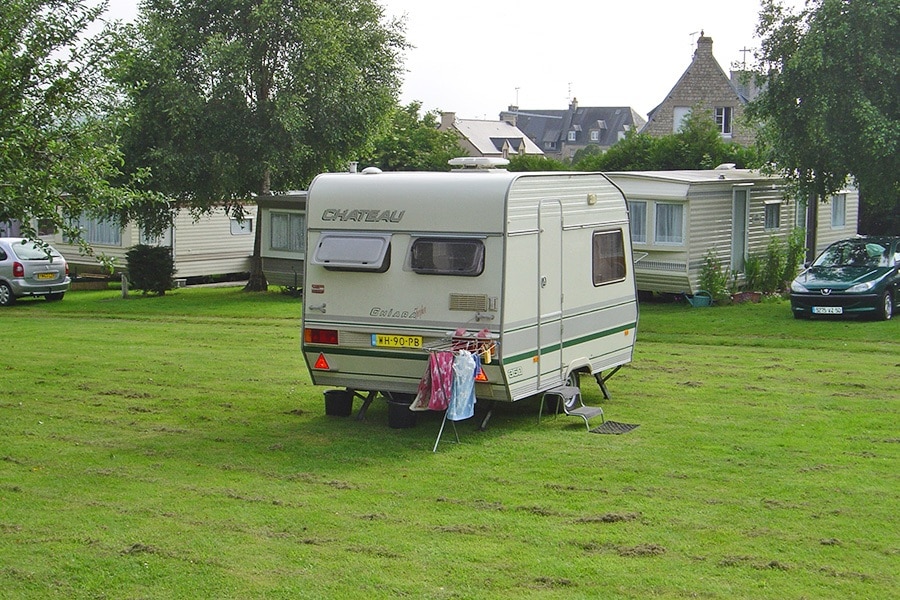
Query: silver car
x=31, y=269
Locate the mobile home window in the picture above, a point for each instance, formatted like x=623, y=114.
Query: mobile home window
x=637, y=214
x=287, y=232
x=669, y=223
x=105, y=233
x=347, y=251
x=839, y=210
x=608, y=257
x=773, y=215
x=447, y=256
x=244, y=227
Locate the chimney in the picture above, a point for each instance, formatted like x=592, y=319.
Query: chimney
x=510, y=116
x=704, y=46
x=447, y=120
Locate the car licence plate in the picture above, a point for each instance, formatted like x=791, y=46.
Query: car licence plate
x=386, y=340
x=45, y=276
x=828, y=310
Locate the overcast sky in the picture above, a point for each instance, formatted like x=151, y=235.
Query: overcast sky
x=476, y=57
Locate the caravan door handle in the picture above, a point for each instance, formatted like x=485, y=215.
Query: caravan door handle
x=543, y=282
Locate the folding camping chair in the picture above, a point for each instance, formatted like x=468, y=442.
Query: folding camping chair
x=569, y=397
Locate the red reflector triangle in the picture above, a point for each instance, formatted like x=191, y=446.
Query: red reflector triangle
x=321, y=363
x=480, y=376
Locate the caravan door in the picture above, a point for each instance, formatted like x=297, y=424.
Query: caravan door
x=550, y=272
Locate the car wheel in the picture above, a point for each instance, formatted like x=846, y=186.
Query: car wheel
x=55, y=297
x=6, y=294
x=885, y=306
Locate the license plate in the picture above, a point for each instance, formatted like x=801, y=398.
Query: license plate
x=828, y=310
x=386, y=340
x=45, y=276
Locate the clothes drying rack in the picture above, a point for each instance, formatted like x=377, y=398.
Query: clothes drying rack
x=484, y=344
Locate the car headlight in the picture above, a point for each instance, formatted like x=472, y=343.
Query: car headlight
x=861, y=287
x=798, y=287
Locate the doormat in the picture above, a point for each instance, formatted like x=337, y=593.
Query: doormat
x=614, y=428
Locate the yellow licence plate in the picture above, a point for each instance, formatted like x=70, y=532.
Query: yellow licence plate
x=45, y=276
x=387, y=340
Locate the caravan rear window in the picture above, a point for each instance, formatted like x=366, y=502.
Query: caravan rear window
x=350, y=251
x=608, y=257
x=447, y=256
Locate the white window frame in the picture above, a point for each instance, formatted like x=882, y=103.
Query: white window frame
x=679, y=114
x=724, y=115
x=100, y=233
x=287, y=231
x=595, y=135
x=244, y=227
x=571, y=136
x=637, y=216
x=664, y=237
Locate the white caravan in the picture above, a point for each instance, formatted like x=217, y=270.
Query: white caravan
x=532, y=271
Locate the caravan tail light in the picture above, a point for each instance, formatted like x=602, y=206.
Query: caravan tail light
x=320, y=336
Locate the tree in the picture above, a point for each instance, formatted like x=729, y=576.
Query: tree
x=698, y=145
x=233, y=98
x=413, y=143
x=58, y=157
x=829, y=107
x=536, y=162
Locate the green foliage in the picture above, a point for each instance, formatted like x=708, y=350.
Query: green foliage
x=413, y=143
x=774, y=265
x=752, y=273
x=698, y=145
x=827, y=112
x=796, y=250
x=253, y=95
x=150, y=268
x=714, y=277
x=58, y=155
x=531, y=162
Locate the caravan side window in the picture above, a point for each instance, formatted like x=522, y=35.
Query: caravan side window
x=447, y=256
x=608, y=257
x=352, y=251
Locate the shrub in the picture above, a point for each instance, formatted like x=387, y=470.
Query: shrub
x=150, y=268
x=713, y=278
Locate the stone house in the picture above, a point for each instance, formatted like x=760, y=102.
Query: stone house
x=705, y=85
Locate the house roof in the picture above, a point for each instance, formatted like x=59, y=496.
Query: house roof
x=553, y=125
x=703, y=57
x=488, y=137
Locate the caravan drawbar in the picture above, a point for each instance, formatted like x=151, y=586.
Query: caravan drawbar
x=532, y=271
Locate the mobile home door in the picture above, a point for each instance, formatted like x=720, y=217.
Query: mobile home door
x=550, y=274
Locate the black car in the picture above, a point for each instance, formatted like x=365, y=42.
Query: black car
x=857, y=276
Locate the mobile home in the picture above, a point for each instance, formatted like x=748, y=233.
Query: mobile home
x=677, y=217
x=214, y=244
x=283, y=250
x=533, y=270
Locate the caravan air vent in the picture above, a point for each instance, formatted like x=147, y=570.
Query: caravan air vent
x=470, y=302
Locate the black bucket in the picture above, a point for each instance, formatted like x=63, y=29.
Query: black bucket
x=399, y=415
x=338, y=403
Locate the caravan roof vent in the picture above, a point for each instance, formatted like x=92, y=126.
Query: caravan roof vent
x=466, y=163
x=726, y=167
x=371, y=171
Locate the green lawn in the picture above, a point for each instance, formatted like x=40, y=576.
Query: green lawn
x=174, y=447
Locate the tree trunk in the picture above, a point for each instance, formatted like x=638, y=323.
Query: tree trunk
x=257, y=281
x=812, y=223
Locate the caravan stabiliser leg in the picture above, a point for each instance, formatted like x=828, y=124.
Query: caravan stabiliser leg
x=601, y=380
x=487, y=417
x=367, y=400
